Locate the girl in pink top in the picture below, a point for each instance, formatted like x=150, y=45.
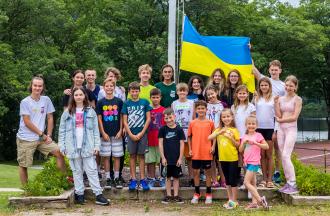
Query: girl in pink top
x=287, y=110
x=251, y=145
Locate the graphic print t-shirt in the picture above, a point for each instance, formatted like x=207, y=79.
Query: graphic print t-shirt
x=79, y=127
x=157, y=121
x=184, y=114
x=110, y=111
x=168, y=93
x=213, y=112
x=136, y=114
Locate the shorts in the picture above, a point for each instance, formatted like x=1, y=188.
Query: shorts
x=186, y=151
x=252, y=168
x=113, y=148
x=230, y=170
x=153, y=155
x=26, y=149
x=216, y=152
x=173, y=171
x=138, y=148
x=201, y=164
x=266, y=133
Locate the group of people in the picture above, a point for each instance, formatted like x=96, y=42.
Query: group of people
x=214, y=131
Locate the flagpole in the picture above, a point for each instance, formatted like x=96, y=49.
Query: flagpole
x=171, y=50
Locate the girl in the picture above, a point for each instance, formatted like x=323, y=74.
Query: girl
x=228, y=141
x=79, y=140
x=264, y=102
x=251, y=145
x=196, y=88
x=113, y=74
x=287, y=110
x=218, y=79
x=233, y=81
x=167, y=86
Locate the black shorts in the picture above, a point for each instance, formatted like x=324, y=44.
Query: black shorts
x=216, y=152
x=201, y=164
x=173, y=171
x=266, y=133
x=230, y=170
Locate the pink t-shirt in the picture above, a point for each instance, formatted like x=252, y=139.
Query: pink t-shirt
x=252, y=152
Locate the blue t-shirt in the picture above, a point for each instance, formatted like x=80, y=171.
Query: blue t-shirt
x=136, y=114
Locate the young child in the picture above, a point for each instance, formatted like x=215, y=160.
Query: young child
x=196, y=88
x=171, y=147
x=184, y=113
x=234, y=80
x=251, y=144
x=111, y=128
x=79, y=140
x=264, y=102
x=201, y=149
x=228, y=141
x=136, y=119
x=157, y=120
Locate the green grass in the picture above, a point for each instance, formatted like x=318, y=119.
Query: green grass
x=4, y=208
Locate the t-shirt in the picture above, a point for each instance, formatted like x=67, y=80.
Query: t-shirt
x=195, y=97
x=213, y=112
x=144, y=93
x=265, y=113
x=241, y=113
x=136, y=114
x=37, y=110
x=79, y=127
x=227, y=150
x=90, y=95
x=110, y=111
x=183, y=114
x=96, y=91
x=252, y=152
x=119, y=93
x=171, y=142
x=200, y=130
x=168, y=93
x=157, y=121
x=278, y=86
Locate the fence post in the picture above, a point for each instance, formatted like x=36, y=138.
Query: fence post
x=325, y=159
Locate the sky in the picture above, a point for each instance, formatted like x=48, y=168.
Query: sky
x=294, y=3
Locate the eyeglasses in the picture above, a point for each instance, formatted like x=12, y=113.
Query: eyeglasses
x=234, y=76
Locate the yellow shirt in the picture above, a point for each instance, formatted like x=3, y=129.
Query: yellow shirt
x=226, y=148
x=144, y=92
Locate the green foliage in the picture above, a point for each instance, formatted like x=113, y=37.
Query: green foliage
x=49, y=182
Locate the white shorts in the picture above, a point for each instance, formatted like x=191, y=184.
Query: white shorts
x=113, y=148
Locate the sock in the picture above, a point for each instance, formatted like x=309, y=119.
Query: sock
x=197, y=190
x=208, y=190
x=116, y=174
x=107, y=175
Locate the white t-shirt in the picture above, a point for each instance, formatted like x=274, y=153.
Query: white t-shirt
x=265, y=113
x=184, y=114
x=79, y=127
x=37, y=110
x=119, y=93
x=241, y=113
x=278, y=86
x=213, y=112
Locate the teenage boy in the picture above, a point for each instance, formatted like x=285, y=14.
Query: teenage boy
x=157, y=120
x=90, y=76
x=184, y=113
x=31, y=134
x=171, y=147
x=136, y=119
x=145, y=88
x=201, y=149
x=278, y=88
x=111, y=128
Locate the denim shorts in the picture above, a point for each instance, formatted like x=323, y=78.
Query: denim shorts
x=252, y=168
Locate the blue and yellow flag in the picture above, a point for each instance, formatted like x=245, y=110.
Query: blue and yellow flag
x=202, y=54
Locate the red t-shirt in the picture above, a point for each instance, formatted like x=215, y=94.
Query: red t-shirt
x=157, y=121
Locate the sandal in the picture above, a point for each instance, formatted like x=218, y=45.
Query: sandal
x=270, y=185
x=251, y=206
x=262, y=184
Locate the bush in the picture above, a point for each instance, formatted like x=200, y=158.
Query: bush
x=50, y=181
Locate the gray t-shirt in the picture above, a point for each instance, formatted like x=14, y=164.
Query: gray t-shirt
x=37, y=110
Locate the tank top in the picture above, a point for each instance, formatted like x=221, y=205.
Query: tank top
x=288, y=107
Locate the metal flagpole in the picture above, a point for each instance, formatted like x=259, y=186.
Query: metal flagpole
x=172, y=36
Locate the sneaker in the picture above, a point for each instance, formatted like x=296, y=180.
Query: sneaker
x=264, y=203
x=251, y=206
x=231, y=205
x=208, y=199
x=151, y=182
x=162, y=182
x=118, y=183
x=291, y=190
x=283, y=188
x=166, y=199
x=192, y=183
x=79, y=199
x=100, y=200
x=178, y=200
x=195, y=198
x=144, y=184
x=277, y=177
x=132, y=185
x=157, y=183
x=109, y=183
x=215, y=184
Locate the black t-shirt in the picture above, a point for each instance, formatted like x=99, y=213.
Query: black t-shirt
x=171, y=142
x=110, y=110
x=90, y=94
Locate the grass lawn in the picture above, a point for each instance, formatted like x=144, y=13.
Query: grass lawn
x=9, y=175
x=4, y=208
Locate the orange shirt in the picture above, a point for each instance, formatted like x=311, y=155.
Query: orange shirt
x=200, y=145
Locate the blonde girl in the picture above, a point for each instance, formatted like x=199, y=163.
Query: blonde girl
x=218, y=79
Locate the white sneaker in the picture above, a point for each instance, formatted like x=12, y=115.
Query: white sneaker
x=195, y=198
x=208, y=199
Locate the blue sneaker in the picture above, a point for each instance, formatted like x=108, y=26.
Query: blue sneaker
x=132, y=185
x=144, y=184
x=162, y=182
x=277, y=177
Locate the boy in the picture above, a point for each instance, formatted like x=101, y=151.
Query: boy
x=201, y=149
x=171, y=147
x=184, y=112
x=157, y=120
x=90, y=76
x=278, y=88
x=145, y=88
x=111, y=128
x=136, y=119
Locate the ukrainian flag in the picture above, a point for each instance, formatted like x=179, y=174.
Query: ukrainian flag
x=202, y=54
